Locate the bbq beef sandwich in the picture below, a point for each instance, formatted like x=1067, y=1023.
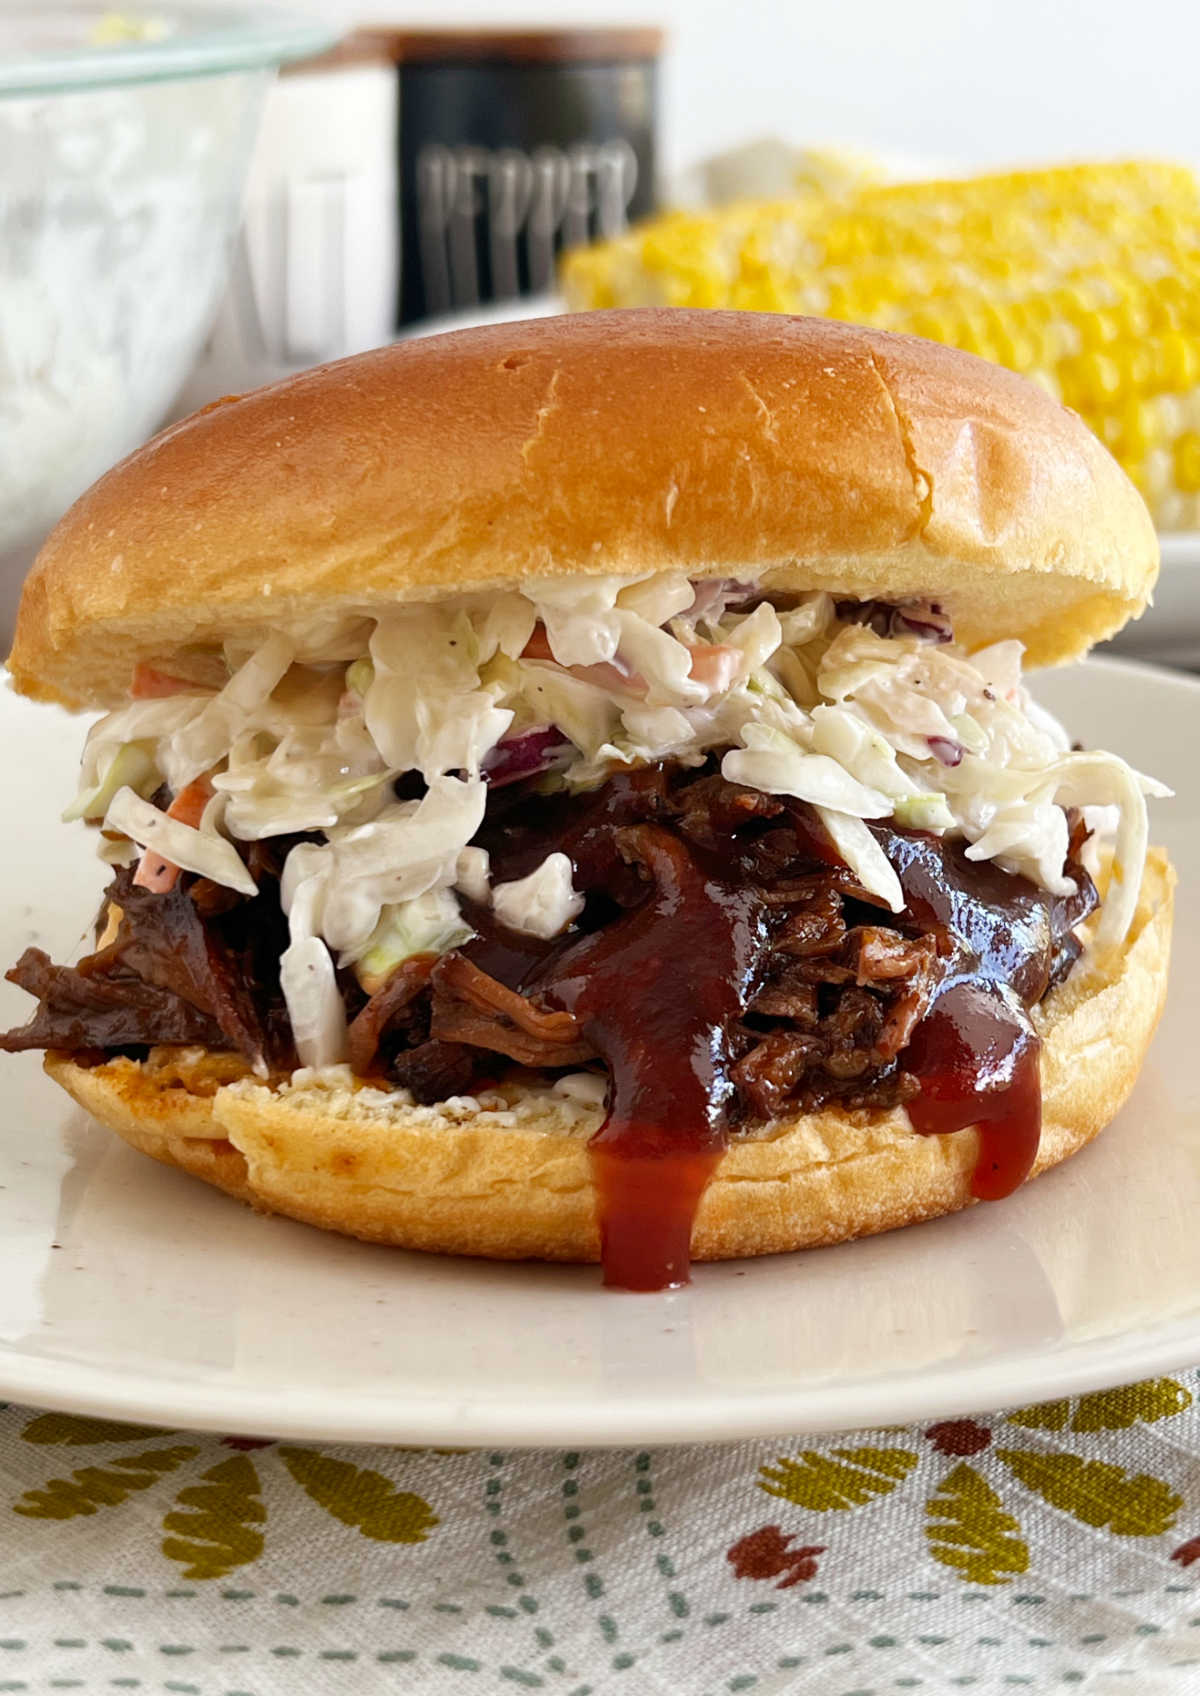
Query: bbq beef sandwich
x=571, y=791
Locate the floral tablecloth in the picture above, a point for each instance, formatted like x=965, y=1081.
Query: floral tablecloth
x=1054, y=1547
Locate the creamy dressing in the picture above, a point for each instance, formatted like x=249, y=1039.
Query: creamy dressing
x=866, y=712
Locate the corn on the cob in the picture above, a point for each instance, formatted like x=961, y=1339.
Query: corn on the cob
x=1086, y=278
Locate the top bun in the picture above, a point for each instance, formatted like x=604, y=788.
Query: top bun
x=804, y=453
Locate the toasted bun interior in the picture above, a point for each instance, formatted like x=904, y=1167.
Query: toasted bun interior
x=509, y=1176
x=804, y=453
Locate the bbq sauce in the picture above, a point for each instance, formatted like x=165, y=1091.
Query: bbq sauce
x=976, y=1052
x=659, y=989
x=687, y=896
x=657, y=992
x=976, y=1056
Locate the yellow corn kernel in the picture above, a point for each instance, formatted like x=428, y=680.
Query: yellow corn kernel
x=1138, y=429
x=1187, y=463
x=1180, y=362
x=1085, y=278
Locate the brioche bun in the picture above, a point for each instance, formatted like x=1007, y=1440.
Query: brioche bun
x=510, y=1178
x=801, y=452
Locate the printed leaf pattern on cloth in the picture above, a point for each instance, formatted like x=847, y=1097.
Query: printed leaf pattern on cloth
x=361, y=1498
x=216, y=1523
x=972, y=1524
x=550, y=1573
x=71, y=1428
x=969, y=1530
x=1109, y=1410
x=1116, y=1410
x=93, y=1487
x=218, y=1533
x=1045, y=1416
x=822, y=1484
x=1096, y=1493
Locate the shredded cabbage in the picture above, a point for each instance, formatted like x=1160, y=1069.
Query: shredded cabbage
x=580, y=617
x=585, y=713
x=858, y=747
x=425, y=709
x=473, y=874
x=756, y=636
x=428, y=924
x=207, y=855
x=658, y=599
x=314, y=1002
x=132, y=766
x=542, y=904
x=505, y=627
x=409, y=848
x=772, y=762
x=201, y=743
x=923, y=812
x=318, y=720
x=150, y=723
x=864, y=856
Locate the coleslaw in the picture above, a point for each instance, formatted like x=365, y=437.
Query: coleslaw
x=864, y=710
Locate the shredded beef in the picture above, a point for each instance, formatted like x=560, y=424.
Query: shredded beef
x=786, y=996
x=831, y=986
x=79, y=1010
x=709, y=811
x=164, y=940
x=199, y=964
x=385, y=1010
x=435, y=1070
x=876, y=985
x=471, y=1007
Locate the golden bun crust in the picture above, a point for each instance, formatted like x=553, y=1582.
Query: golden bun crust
x=510, y=1177
x=807, y=453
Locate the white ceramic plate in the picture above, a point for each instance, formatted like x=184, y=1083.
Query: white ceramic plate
x=1169, y=633
x=128, y=1289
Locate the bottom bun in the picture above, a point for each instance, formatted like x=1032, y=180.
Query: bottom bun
x=507, y=1174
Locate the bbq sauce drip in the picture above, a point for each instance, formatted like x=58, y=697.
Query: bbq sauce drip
x=976, y=1055
x=659, y=988
x=976, y=1052
x=657, y=991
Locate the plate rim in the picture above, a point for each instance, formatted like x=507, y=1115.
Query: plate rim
x=585, y=1420
x=1179, y=547
x=656, y=1423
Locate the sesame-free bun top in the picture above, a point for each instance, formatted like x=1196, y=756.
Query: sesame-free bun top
x=803, y=453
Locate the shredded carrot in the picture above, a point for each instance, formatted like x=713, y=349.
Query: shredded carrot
x=153, y=871
x=715, y=664
x=150, y=684
x=605, y=674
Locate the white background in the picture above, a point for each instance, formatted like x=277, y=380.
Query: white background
x=948, y=79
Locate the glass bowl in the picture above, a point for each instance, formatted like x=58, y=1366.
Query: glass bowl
x=121, y=170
